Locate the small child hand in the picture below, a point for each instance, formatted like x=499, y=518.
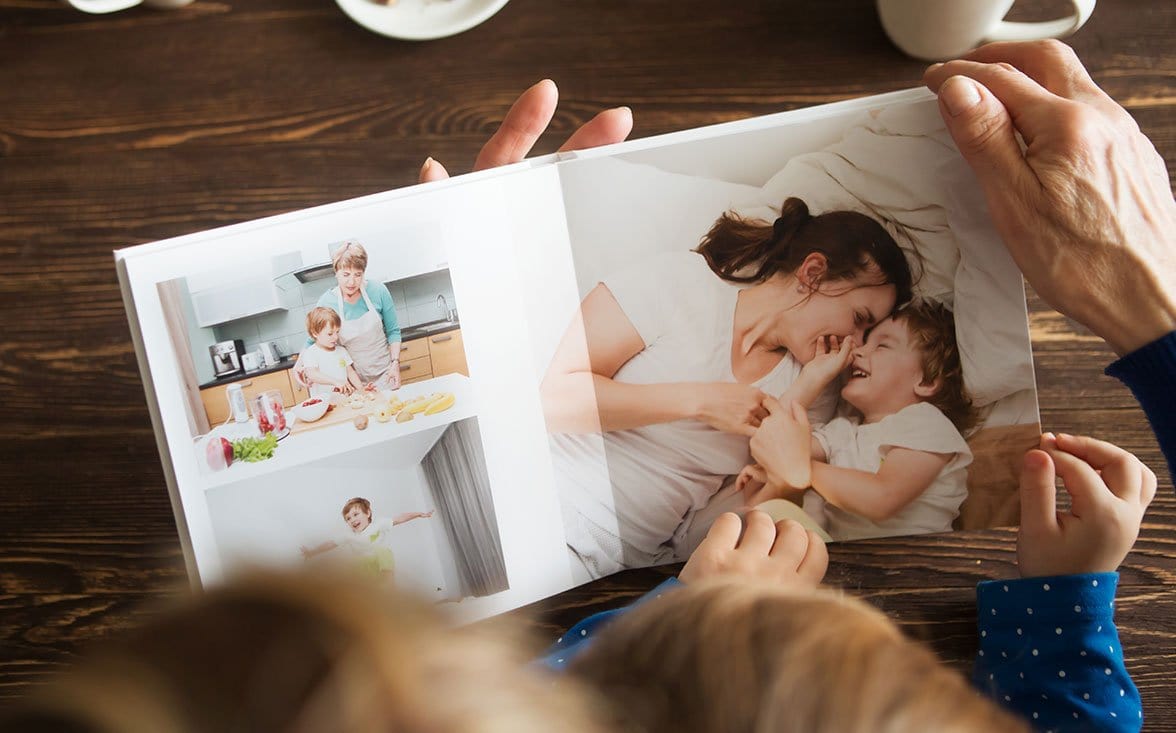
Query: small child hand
x=832, y=357
x=781, y=446
x=346, y=388
x=752, y=478
x=1109, y=490
x=783, y=552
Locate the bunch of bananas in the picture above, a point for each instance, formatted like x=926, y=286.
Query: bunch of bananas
x=421, y=404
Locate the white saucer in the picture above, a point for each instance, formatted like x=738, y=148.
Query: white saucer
x=420, y=20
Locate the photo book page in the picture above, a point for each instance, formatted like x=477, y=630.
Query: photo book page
x=490, y=389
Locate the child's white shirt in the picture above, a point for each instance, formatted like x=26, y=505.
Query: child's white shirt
x=850, y=444
x=332, y=363
x=376, y=534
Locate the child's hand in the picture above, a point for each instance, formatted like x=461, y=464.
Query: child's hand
x=784, y=552
x=832, y=357
x=346, y=388
x=752, y=478
x=1109, y=490
x=781, y=446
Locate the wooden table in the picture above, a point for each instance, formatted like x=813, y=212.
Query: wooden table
x=146, y=124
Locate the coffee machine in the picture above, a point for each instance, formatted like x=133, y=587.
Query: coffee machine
x=226, y=357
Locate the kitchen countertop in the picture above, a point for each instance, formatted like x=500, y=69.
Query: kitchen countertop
x=407, y=333
x=306, y=447
x=287, y=362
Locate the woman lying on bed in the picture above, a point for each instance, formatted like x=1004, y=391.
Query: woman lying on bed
x=657, y=385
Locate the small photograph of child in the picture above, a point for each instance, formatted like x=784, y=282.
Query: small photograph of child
x=417, y=512
x=328, y=365
x=896, y=462
x=367, y=538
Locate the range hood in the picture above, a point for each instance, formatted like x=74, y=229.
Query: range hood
x=310, y=273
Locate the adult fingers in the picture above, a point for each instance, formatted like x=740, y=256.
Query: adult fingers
x=607, y=127
x=1052, y=64
x=816, y=559
x=1121, y=471
x=526, y=120
x=759, y=533
x=984, y=132
x=772, y=405
x=724, y=531
x=432, y=171
x=1038, y=493
x=791, y=543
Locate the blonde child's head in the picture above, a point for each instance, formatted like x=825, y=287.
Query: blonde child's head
x=744, y=656
x=299, y=653
x=357, y=513
x=911, y=357
x=322, y=325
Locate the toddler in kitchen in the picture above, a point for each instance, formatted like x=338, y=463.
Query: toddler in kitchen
x=328, y=365
x=896, y=467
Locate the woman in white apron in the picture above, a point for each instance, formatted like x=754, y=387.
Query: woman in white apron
x=372, y=338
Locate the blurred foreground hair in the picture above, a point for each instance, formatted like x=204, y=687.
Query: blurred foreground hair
x=304, y=653
x=741, y=656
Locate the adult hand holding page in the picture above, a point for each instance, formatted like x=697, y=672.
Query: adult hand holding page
x=604, y=376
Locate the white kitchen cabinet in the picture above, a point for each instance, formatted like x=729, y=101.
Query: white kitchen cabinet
x=240, y=299
x=412, y=250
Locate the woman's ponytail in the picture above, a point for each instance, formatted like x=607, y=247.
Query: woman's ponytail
x=743, y=250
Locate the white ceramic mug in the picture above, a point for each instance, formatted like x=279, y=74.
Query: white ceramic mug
x=110, y=6
x=936, y=30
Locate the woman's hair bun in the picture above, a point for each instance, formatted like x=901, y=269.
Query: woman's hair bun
x=794, y=213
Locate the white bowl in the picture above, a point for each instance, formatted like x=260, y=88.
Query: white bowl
x=310, y=413
x=420, y=20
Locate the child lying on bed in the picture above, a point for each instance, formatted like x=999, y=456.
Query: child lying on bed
x=897, y=467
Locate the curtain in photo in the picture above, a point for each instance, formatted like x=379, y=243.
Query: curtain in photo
x=455, y=469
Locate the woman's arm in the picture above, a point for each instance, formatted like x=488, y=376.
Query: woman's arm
x=580, y=395
x=904, y=476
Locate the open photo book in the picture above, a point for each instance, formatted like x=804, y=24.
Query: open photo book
x=490, y=389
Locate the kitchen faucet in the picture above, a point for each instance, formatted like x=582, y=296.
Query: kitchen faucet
x=445, y=312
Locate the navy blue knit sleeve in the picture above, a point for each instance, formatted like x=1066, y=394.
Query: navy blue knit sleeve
x=1150, y=373
x=1049, y=652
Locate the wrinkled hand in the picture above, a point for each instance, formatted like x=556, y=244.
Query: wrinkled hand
x=1086, y=210
x=1109, y=490
x=784, y=552
x=832, y=357
x=782, y=447
x=527, y=120
x=731, y=408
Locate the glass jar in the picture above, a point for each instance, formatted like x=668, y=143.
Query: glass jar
x=268, y=412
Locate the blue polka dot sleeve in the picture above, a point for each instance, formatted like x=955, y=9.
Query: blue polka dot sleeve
x=1049, y=652
x=1149, y=372
x=579, y=637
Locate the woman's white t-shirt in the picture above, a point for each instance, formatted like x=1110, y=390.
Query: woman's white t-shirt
x=863, y=447
x=626, y=492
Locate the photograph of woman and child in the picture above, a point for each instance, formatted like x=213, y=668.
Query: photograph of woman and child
x=793, y=358
x=354, y=332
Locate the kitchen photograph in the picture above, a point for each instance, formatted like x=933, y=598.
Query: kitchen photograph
x=317, y=351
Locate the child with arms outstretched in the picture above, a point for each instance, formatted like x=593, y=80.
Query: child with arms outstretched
x=896, y=467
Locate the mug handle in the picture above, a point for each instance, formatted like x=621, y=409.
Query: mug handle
x=1006, y=31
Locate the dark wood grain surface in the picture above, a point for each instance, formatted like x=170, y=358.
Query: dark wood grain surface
x=145, y=124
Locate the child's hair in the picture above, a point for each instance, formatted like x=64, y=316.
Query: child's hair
x=360, y=502
x=752, y=250
x=319, y=318
x=351, y=255
x=744, y=656
x=932, y=332
x=296, y=653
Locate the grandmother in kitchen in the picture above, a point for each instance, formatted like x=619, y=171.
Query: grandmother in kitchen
x=369, y=330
